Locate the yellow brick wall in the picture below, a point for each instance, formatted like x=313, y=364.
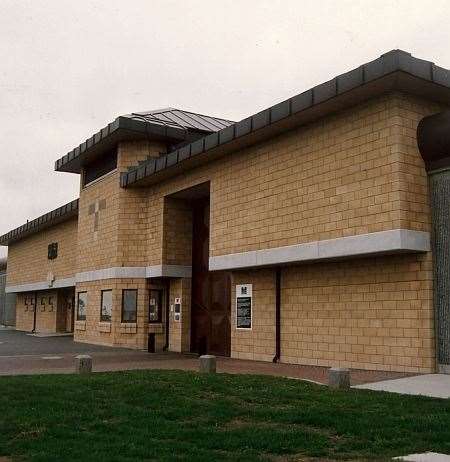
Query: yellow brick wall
x=129, y=335
x=259, y=342
x=98, y=249
x=46, y=314
x=123, y=225
x=373, y=313
x=179, y=331
x=135, y=208
x=355, y=172
x=177, y=232
x=28, y=258
x=50, y=318
x=24, y=313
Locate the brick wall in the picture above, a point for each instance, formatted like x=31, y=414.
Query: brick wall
x=259, y=342
x=28, y=258
x=177, y=232
x=50, y=317
x=372, y=313
x=136, y=209
x=24, y=313
x=355, y=172
x=122, y=233
x=93, y=330
x=179, y=331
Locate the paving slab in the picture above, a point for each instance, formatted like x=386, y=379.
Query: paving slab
x=432, y=385
x=425, y=457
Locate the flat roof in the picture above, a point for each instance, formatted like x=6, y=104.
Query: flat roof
x=59, y=215
x=169, y=124
x=395, y=70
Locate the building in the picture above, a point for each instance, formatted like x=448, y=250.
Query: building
x=7, y=301
x=301, y=234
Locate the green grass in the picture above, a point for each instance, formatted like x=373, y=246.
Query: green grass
x=174, y=415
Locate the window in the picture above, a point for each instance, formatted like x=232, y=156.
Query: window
x=155, y=306
x=129, y=305
x=100, y=167
x=106, y=307
x=81, y=306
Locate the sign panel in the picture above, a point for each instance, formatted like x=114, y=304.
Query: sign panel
x=244, y=306
x=177, y=310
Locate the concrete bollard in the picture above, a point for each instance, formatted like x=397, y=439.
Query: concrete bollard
x=208, y=364
x=83, y=364
x=339, y=378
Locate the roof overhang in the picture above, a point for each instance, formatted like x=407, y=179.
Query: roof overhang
x=59, y=215
x=394, y=71
x=122, y=129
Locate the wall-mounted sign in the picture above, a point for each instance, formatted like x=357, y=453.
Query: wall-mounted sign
x=52, y=250
x=177, y=309
x=244, y=306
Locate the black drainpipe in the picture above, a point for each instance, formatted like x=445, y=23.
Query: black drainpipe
x=35, y=313
x=277, y=356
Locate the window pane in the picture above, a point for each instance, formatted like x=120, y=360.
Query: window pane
x=106, y=308
x=81, y=306
x=129, y=305
x=100, y=167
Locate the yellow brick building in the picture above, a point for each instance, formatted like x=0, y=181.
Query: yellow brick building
x=308, y=233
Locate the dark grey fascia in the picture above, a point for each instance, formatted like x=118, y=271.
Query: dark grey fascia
x=59, y=215
x=394, y=71
x=122, y=129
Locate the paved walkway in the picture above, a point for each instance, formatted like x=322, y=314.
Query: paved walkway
x=24, y=354
x=433, y=385
x=425, y=457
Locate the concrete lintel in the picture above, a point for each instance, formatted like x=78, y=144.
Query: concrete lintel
x=382, y=242
x=173, y=271
x=42, y=285
x=120, y=272
x=130, y=272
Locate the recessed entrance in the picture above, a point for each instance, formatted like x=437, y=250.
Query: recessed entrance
x=210, y=310
x=210, y=330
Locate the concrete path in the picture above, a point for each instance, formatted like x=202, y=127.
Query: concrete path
x=433, y=385
x=21, y=353
x=425, y=457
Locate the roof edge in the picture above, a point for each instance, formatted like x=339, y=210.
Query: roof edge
x=120, y=126
x=390, y=64
x=54, y=217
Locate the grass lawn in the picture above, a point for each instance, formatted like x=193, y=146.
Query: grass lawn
x=174, y=415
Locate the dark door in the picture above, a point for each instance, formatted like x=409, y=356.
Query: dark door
x=210, y=318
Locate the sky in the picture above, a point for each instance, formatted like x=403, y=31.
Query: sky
x=68, y=68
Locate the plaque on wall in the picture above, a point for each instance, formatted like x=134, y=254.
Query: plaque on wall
x=244, y=306
x=177, y=310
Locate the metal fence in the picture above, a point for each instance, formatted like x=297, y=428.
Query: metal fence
x=7, y=304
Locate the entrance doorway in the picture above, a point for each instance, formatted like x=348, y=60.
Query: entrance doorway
x=211, y=302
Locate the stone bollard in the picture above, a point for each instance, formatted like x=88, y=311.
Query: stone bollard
x=83, y=364
x=339, y=378
x=208, y=364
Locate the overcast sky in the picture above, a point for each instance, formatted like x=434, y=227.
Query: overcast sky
x=70, y=67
